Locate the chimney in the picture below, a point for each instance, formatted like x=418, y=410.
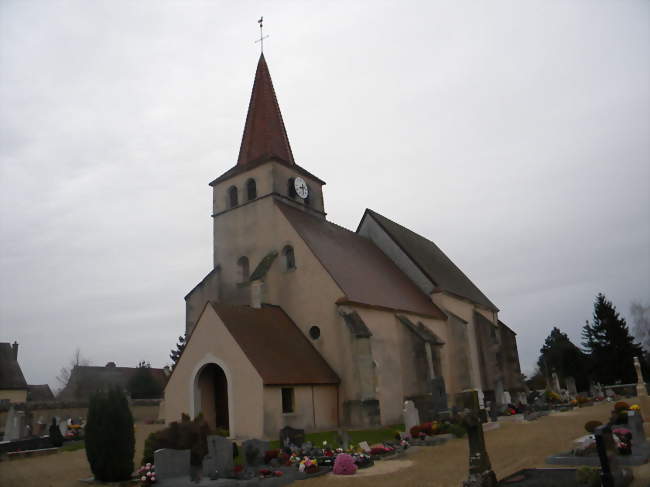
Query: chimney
x=14, y=349
x=256, y=294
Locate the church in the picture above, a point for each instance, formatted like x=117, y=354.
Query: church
x=304, y=323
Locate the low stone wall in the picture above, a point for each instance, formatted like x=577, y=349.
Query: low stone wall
x=142, y=410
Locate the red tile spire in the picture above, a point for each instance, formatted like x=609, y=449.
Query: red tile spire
x=264, y=132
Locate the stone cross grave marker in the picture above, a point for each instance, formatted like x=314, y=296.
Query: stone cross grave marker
x=219, y=459
x=411, y=416
x=254, y=451
x=291, y=436
x=480, y=468
x=171, y=463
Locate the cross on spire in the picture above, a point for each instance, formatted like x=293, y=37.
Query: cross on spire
x=262, y=36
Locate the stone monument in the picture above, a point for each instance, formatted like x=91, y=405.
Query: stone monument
x=411, y=416
x=555, y=383
x=571, y=387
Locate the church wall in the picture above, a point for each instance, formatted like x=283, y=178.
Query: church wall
x=369, y=228
x=282, y=174
x=206, y=290
x=315, y=409
x=308, y=294
x=211, y=342
x=465, y=310
x=263, y=180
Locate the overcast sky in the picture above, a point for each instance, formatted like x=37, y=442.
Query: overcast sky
x=514, y=134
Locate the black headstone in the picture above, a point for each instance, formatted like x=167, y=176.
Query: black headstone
x=291, y=436
x=439, y=394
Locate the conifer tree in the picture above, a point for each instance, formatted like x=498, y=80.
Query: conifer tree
x=176, y=354
x=610, y=346
x=110, y=440
x=559, y=354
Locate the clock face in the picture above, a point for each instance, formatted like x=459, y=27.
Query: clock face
x=300, y=186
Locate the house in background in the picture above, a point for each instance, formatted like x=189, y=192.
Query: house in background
x=13, y=386
x=85, y=380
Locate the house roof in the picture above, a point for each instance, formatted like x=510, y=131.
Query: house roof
x=264, y=131
x=11, y=376
x=40, y=392
x=359, y=267
x=432, y=261
x=85, y=380
x=274, y=344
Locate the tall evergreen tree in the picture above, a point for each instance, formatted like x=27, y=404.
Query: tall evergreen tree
x=180, y=346
x=559, y=354
x=611, y=347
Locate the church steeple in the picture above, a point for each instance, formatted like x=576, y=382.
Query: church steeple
x=264, y=133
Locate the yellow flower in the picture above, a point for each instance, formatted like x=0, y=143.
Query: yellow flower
x=635, y=407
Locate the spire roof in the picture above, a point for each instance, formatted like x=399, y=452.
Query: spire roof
x=264, y=133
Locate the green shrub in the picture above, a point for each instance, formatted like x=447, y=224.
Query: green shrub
x=110, y=440
x=186, y=435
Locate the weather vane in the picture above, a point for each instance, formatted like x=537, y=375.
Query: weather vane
x=262, y=36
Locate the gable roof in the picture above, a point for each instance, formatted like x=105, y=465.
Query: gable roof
x=432, y=261
x=11, y=376
x=264, y=131
x=39, y=392
x=359, y=267
x=276, y=347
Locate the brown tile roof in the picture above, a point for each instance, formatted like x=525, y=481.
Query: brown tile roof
x=264, y=132
x=432, y=261
x=360, y=269
x=85, y=380
x=11, y=376
x=40, y=392
x=278, y=350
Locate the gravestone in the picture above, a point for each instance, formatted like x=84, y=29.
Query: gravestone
x=438, y=394
x=364, y=446
x=171, y=463
x=291, y=436
x=219, y=458
x=254, y=451
x=635, y=425
x=411, y=416
x=571, y=387
x=507, y=398
x=494, y=412
x=480, y=468
x=481, y=399
x=11, y=430
x=63, y=427
x=555, y=384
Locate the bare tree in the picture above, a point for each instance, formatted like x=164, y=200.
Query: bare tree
x=65, y=372
x=641, y=323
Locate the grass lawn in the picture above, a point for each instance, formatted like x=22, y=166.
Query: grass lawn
x=371, y=436
x=73, y=445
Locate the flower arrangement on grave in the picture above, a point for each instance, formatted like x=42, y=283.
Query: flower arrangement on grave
x=294, y=459
x=590, y=426
x=381, y=449
x=270, y=455
x=635, y=407
x=404, y=444
x=308, y=465
x=265, y=473
x=147, y=474
x=344, y=465
x=623, y=440
x=237, y=469
x=552, y=397
x=362, y=460
x=573, y=402
x=621, y=406
x=580, y=399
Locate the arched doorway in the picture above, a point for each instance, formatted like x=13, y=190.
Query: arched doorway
x=212, y=388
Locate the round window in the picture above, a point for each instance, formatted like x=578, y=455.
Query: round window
x=314, y=332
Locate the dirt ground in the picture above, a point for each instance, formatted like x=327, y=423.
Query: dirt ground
x=511, y=447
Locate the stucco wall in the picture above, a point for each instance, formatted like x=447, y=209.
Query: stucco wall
x=315, y=409
x=211, y=342
x=13, y=395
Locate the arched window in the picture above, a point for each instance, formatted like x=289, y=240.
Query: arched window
x=232, y=196
x=251, y=189
x=291, y=189
x=289, y=258
x=242, y=263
